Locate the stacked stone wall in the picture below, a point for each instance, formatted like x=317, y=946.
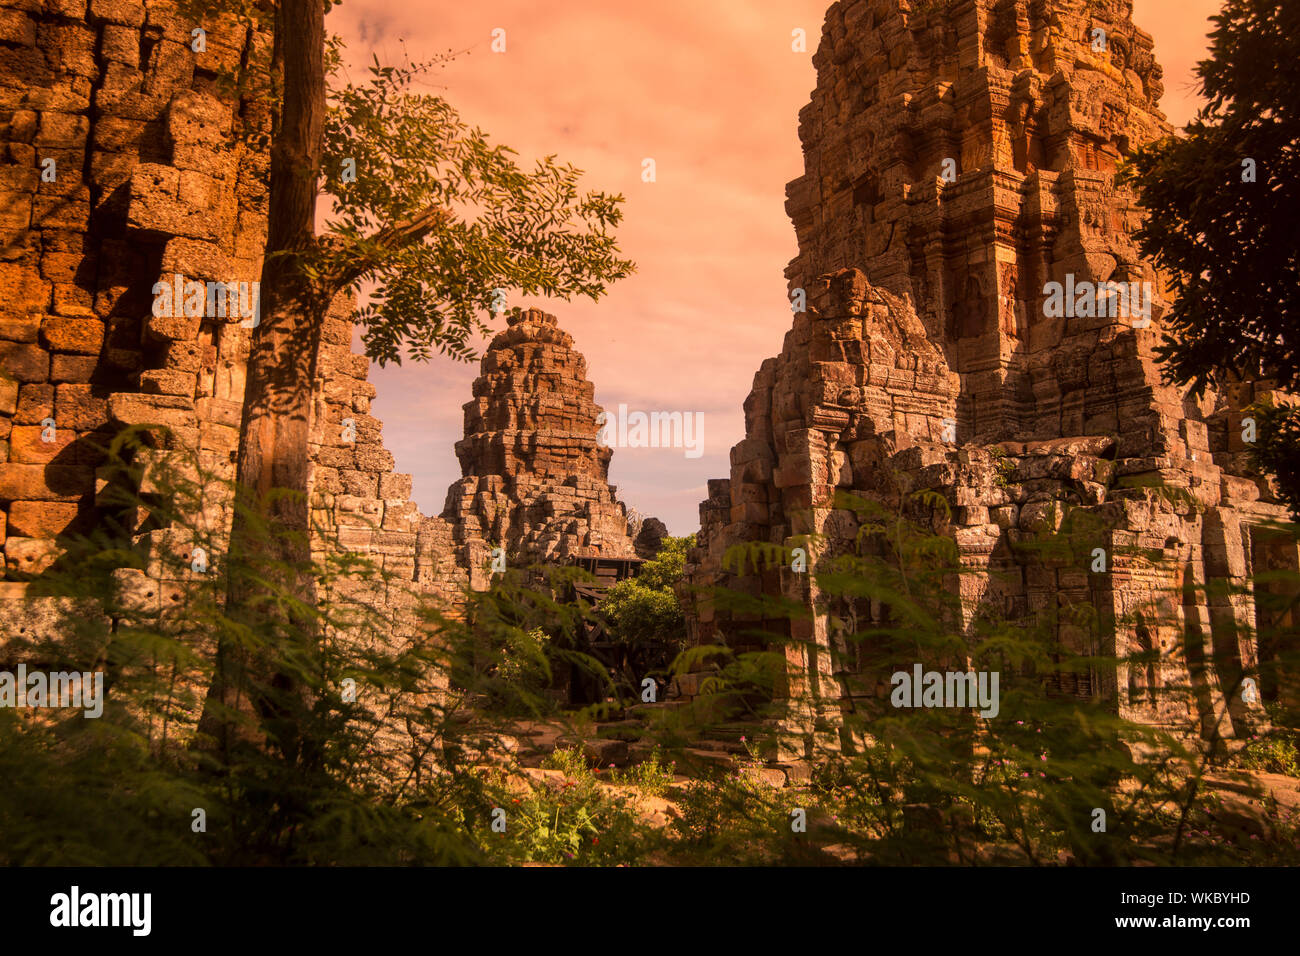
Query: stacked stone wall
x=958, y=158
x=129, y=163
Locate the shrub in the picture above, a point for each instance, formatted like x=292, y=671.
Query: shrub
x=574, y=821
x=379, y=778
x=645, y=608
x=652, y=776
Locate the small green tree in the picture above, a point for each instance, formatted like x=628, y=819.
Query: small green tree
x=645, y=608
x=446, y=226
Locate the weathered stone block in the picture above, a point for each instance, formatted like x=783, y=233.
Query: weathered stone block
x=134, y=409
x=30, y=482
x=394, y=486
x=358, y=483
x=72, y=300
x=80, y=336
x=121, y=44
x=8, y=397
x=172, y=328
x=22, y=288
x=18, y=28
x=157, y=206
x=62, y=131
x=35, y=403
x=340, y=457
x=30, y=555
x=220, y=411
x=196, y=261
x=199, y=119
x=373, y=458
x=26, y=363
x=166, y=381
x=125, y=12
x=72, y=368
x=41, y=519
x=27, y=446
x=77, y=407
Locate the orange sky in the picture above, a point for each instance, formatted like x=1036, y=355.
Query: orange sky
x=711, y=91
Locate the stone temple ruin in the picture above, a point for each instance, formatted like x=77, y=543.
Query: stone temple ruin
x=150, y=180
x=959, y=157
x=957, y=160
x=536, y=479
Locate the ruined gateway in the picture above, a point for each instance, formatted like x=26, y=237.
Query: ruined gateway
x=959, y=156
x=957, y=160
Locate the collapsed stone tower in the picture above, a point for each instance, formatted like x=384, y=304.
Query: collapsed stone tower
x=960, y=157
x=536, y=480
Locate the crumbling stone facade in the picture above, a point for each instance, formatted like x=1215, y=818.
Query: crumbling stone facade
x=536, y=479
x=130, y=164
x=959, y=157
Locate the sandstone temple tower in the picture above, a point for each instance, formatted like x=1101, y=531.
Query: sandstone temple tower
x=960, y=157
x=536, y=480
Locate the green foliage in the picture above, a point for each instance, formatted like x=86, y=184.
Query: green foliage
x=943, y=785
x=575, y=820
x=411, y=771
x=1005, y=468
x=665, y=569
x=499, y=227
x=652, y=776
x=391, y=157
x=645, y=608
x=1272, y=754
x=1277, y=751
x=524, y=659
x=568, y=760
x=1230, y=246
x=644, y=619
x=1277, y=449
x=388, y=781
x=637, y=613
x=521, y=632
x=736, y=819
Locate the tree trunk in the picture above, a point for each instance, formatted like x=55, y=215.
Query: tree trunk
x=270, y=528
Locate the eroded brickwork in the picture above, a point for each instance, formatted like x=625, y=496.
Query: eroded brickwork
x=131, y=167
x=960, y=157
x=129, y=164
